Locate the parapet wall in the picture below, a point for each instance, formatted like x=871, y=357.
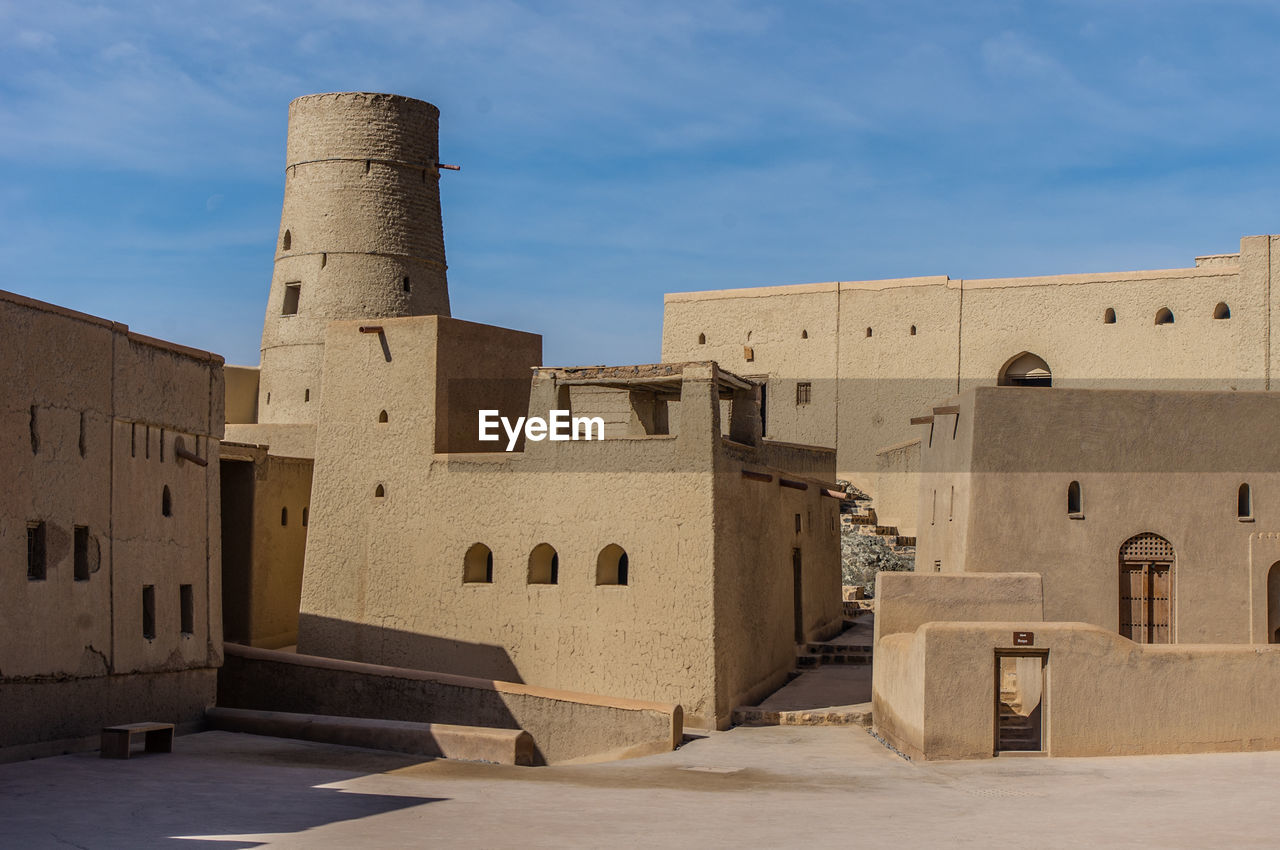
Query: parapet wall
x=565, y=726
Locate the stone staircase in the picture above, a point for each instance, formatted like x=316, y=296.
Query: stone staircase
x=856, y=517
x=832, y=685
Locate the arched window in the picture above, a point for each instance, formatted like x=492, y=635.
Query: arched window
x=477, y=566
x=1222, y=311
x=1075, y=503
x=286, y=241
x=702, y=339
x=382, y=417
x=1164, y=316
x=544, y=565
x=868, y=333
x=804, y=334
x=166, y=502
x=1026, y=370
x=284, y=516
x=1146, y=589
x=612, y=565
x=379, y=491
x=913, y=330
x=1244, y=502
x=1109, y=317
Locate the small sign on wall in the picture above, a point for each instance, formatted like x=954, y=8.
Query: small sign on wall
x=1024, y=638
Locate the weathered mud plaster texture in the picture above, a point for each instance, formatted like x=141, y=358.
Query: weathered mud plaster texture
x=879, y=352
x=360, y=235
x=111, y=448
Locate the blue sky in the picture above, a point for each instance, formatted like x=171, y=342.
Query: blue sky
x=614, y=152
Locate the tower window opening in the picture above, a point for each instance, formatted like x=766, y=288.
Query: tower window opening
x=80, y=556
x=1109, y=317
x=306, y=394
x=1164, y=316
x=149, y=611
x=382, y=417
x=187, y=609
x=1222, y=311
x=166, y=502
x=702, y=339
x=379, y=491
x=804, y=334
x=1075, y=502
x=292, y=294
x=304, y=517
x=36, y=558
x=1244, y=502
x=406, y=284
x=913, y=330
x=544, y=565
x=868, y=333
x=284, y=516
x=286, y=241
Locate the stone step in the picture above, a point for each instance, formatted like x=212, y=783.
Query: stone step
x=809, y=662
x=836, y=648
x=850, y=715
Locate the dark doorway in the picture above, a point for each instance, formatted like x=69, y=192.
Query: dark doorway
x=797, y=572
x=237, y=548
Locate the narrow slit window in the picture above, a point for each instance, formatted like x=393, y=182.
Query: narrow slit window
x=1244, y=502
x=1075, y=500
x=166, y=502
x=304, y=517
x=379, y=492
x=1109, y=317
x=382, y=417
x=186, y=604
x=804, y=334
x=35, y=434
x=82, y=445
x=406, y=284
x=868, y=333
x=702, y=339
x=913, y=330
x=149, y=611
x=292, y=294
x=80, y=553
x=284, y=516
x=36, y=560
x=306, y=394
x=286, y=241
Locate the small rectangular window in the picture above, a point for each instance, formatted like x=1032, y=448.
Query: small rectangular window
x=35, y=552
x=292, y=292
x=804, y=391
x=188, y=609
x=149, y=611
x=80, y=545
x=797, y=523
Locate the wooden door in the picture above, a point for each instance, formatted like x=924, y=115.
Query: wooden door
x=1147, y=589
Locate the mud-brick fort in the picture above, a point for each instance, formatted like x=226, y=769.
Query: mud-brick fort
x=322, y=541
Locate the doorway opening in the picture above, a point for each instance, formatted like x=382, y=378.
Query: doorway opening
x=1020, y=701
x=797, y=595
x=1146, y=589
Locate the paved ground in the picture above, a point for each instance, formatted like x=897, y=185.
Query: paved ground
x=749, y=787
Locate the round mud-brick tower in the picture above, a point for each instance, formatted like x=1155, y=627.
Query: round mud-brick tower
x=360, y=235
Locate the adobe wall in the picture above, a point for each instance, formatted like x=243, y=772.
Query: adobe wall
x=384, y=574
x=1164, y=462
x=96, y=418
x=565, y=726
x=966, y=331
x=897, y=486
x=1104, y=695
x=360, y=236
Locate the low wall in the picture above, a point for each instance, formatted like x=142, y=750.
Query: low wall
x=905, y=601
x=565, y=726
x=897, y=490
x=41, y=718
x=1105, y=695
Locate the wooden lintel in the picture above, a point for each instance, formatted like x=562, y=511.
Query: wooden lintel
x=793, y=484
x=757, y=476
x=371, y=329
x=947, y=410
x=921, y=420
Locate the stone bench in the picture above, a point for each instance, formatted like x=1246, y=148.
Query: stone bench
x=117, y=741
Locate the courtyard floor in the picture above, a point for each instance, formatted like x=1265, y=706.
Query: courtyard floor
x=748, y=787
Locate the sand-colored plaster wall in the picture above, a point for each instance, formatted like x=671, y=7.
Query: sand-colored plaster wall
x=565, y=726
x=96, y=417
x=242, y=394
x=966, y=331
x=1146, y=461
x=898, y=486
x=1105, y=695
